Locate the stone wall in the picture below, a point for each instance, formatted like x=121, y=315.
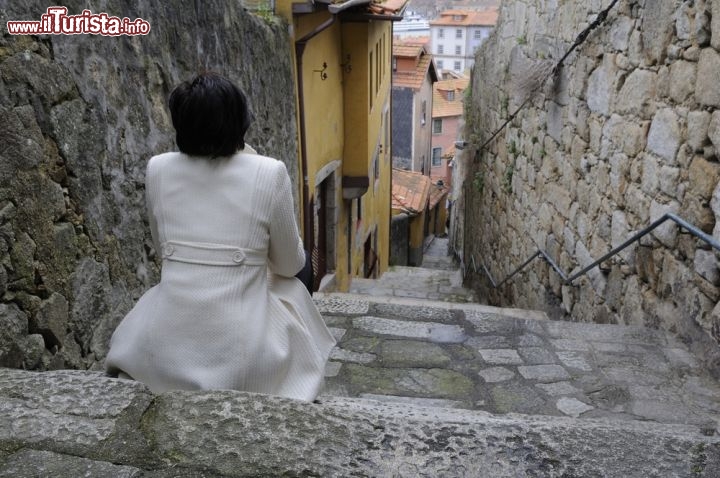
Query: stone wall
x=79, y=117
x=628, y=130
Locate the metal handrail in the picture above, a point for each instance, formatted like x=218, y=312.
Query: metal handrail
x=568, y=279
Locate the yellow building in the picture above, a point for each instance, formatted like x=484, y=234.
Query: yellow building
x=342, y=52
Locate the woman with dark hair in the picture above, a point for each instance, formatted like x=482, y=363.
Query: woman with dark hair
x=227, y=313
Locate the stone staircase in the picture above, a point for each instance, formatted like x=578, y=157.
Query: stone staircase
x=438, y=279
x=415, y=388
x=397, y=346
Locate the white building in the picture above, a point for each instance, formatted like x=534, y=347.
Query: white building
x=457, y=34
x=412, y=25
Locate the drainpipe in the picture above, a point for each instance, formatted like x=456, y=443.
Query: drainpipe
x=300, y=45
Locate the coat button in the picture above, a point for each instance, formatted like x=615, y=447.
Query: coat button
x=238, y=257
x=168, y=250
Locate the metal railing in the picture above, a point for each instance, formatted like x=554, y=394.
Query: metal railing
x=568, y=279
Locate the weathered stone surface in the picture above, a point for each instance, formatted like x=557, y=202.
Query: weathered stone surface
x=217, y=434
x=637, y=91
x=496, y=374
x=599, y=88
x=77, y=413
x=703, y=177
x=682, y=80
x=714, y=130
x=572, y=406
x=544, y=373
x=706, y=265
x=51, y=319
x=500, y=356
x=667, y=232
x=44, y=463
x=708, y=69
x=657, y=29
x=698, y=122
x=664, y=136
x=432, y=331
x=349, y=356
x=715, y=25
x=408, y=353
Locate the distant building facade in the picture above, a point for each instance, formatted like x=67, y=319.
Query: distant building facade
x=412, y=94
x=412, y=25
x=457, y=34
x=447, y=119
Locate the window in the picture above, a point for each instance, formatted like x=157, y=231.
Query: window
x=441, y=49
x=441, y=33
x=437, y=157
x=477, y=34
x=451, y=96
x=376, y=163
x=458, y=18
x=424, y=111
x=370, y=79
x=458, y=33
x=382, y=57
x=437, y=126
x=457, y=66
x=377, y=67
x=440, y=64
x=458, y=50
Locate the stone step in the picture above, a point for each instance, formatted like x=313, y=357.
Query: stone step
x=470, y=356
x=70, y=423
x=416, y=282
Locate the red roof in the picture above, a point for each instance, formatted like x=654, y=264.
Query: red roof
x=487, y=18
x=376, y=7
x=420, y=65
x=437, y=193
x=410, y=191
x=442, y=106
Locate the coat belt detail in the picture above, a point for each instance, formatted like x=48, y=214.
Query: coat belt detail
x=212, y=254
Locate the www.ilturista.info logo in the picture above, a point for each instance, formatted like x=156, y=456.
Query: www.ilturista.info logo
x=57, y=22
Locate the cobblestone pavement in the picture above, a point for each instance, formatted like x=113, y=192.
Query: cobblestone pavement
x=464, y=355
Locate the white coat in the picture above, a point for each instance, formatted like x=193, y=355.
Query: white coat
x=227, y=313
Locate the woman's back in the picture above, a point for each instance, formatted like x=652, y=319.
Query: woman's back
x=225, y=200
x=227, y=313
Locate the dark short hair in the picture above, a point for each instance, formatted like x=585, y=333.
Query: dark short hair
x=210, y=115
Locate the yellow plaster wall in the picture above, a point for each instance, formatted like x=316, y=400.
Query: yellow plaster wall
x=365, y=132
x=341, y=125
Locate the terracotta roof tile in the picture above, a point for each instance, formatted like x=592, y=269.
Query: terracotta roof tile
x=387, y=7
x=410, y=191
x=437, y=194
x=418, y=40
x=411, y=50
x=442, y=107
x=486, y=18
x=377, y=7
x=412, y=78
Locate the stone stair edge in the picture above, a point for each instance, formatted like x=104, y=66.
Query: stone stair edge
x=217, y=433
x=122, y=393
x=414, y=302
x=447, y=415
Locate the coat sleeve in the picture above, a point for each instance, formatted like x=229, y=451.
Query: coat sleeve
x=151, y=189
x=286, y=255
